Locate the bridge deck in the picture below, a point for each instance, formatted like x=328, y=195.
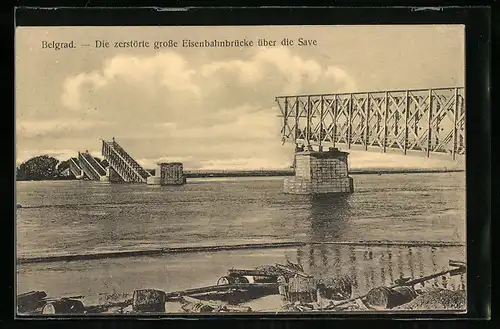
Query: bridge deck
x=92, y=169
x=424, y=120
x=123, y=163
x=75, y=168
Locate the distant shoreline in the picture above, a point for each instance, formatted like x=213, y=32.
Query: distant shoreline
x=270, y=173
x=279, y=173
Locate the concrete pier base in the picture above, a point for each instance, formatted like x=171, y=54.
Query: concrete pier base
x=320, y=172
x=111, y=176
x=168, y=174
x=153, y=180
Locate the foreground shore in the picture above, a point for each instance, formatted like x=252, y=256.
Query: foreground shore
x=272, y=288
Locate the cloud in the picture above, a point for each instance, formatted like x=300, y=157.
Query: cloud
x=168, y=70
x=72, y=88
x=164, y=125
x=191, y=163
x=253, y=125
x=217, y=115
x=162, y=71
x=220, y=111
x=26, y=154
x=244, y=164
x=59, y=154
x=268, y=72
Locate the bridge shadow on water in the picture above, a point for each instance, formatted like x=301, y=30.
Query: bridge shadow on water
x=368, y=265
x=328, y=216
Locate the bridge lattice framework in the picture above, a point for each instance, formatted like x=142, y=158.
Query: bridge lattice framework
x=428, y=120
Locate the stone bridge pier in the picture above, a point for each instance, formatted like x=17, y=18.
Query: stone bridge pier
x=320, y=172
x=168, y=174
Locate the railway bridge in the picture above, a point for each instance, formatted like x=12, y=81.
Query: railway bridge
x=426, y=122
x=121, y=166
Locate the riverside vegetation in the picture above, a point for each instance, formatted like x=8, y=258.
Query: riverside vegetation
x=45, y=167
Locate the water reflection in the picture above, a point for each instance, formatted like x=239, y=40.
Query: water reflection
x=325, y=217
x=420, y=261
x=372, y=266
x=382, y=273
x=400, y=263
x=367, y=266
x=389, y=263
x=312, y=263
x=328, y=216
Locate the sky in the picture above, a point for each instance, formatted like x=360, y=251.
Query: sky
x=212, y=108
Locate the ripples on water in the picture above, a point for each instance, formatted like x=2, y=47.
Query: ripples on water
x=76, y=216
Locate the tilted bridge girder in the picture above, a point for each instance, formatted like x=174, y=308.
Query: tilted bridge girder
x=75, y=168
x=123, y=164
x=430, y=121
x=92, y=169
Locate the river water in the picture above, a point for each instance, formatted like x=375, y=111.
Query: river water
x=74, y=217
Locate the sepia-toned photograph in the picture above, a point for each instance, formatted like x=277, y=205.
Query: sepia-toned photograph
x=187, y=170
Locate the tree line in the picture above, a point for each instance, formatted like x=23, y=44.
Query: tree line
x=45, y=167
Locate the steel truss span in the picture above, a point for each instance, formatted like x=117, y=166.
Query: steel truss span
x=92, y=169
x=124, y=165
x=427, y=120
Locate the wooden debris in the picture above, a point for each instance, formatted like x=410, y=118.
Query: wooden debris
x=189, y=292
x=149, y=300
x=119, y=310
x=64, y=306
x=382, y=298
x=294, y=266
x=292, y=271
x=361, y=306
x=197, y=308
x=455, y=271
x=456, y=263
x=283, y=286
x=339, y=288
x=202, y=306
x=263, y=279
x=232, y=296
x=247, y=276
x=304, y=307
x=256, y=272
x=301, y=289
x=30, y=301
x=109, y=307
x=232, y=279
x=270, y=270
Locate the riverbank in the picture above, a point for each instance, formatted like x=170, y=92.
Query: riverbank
x=228, y=247
x=282, y=286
